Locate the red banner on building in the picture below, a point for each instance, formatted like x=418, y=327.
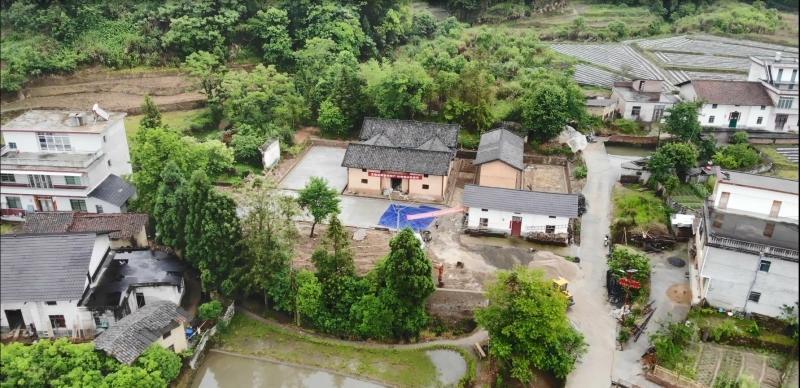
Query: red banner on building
x=395, y=175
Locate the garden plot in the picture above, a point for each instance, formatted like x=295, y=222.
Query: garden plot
x=613, y=56
x=713, y=46
x=703, y=61
x=683, y=75
x=595, y=76
x=715, y=363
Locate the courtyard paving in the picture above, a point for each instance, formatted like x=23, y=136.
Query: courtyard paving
x=321, y=161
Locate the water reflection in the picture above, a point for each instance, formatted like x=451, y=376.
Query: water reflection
x=225, y=371
x=450, y=366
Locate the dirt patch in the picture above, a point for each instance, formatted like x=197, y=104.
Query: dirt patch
x=543, y=177
x=368, y=251
x=121, y=91
x=680, y=293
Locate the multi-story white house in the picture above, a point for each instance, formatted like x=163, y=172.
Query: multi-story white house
x=779, y=77
x=641, y=100
x=74, y=284
x=767, y=101
x=746, y=245
x=61, y=160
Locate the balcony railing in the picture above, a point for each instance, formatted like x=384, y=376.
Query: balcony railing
x=754, y=248
x=52, y=159
x=13, y=213
x=27, y=185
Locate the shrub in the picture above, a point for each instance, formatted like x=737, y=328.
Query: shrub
x=670, y=341
x=727, y=330
x=580, y=172
x=739, y=137
x=246, y=148
x=469, y=140
x=737, y=156
x=625, y=126
x=210, y=310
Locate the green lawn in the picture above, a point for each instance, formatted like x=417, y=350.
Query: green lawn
x=406, y=368
x=179, y=120
x=782, y=167
x=639, y=209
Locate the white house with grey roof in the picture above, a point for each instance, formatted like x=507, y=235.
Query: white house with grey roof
x=778, y=75
x=161, y=323
x=410, y=157
x=642, y=100
x=530, y=214
x=499, y=159
x=73, y=284
x=746, y=245
x=64, y=161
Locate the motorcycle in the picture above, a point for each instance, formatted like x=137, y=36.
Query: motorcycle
x=605, y=242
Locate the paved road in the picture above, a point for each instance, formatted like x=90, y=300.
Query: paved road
x=591, y=312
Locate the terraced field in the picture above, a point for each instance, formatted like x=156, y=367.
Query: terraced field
x=716, y=362
x=675, y=59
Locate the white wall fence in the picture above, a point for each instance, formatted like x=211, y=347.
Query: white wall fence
x=200, y=349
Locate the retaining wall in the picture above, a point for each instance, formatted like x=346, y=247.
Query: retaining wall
x=200, y=349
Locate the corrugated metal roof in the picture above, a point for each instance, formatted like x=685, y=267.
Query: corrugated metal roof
x=36, y=268
x=521, y=201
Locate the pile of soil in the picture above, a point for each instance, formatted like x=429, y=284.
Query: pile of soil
x=554, y=265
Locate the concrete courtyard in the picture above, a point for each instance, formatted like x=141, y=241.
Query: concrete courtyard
x=325, y=162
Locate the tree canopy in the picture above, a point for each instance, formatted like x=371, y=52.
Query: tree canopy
x=528, y=326
x=319, y=199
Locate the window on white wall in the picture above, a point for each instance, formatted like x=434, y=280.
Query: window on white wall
x=710, y=119
x=53, y=142
x=98, y=208
x=764, y=265
x=57, y=321
x=40, y=181
x=12, y=145
x=763, y=107
x=72, y=180
x=365, y=181
x=713, y=106
x=550, y=229
x=426, y=187
x=785, y=102
x=759, y=120
x=754, y=296
x=13, y=203
x=483, y=222
x=77, y=205
x=7, y=178
x=636, y=110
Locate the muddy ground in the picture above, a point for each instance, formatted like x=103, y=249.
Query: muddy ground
x=114, y=90
x=544, y=177
x=367, y=252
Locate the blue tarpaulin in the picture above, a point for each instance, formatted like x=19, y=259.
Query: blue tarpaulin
x=396, y=214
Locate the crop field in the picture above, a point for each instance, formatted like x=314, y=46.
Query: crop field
x=617, y=57
x=674, y=59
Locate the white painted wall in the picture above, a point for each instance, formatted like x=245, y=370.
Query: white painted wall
x=26, y=141
x=116, y=148
x=759, y=201
x=500, y=221
x=271, y=155
x=153, y=293
x=38, y=313
x=62, y=203
x=748, y=116
x=729, y=275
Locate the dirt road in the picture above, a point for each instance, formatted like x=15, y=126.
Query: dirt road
x=591, y=312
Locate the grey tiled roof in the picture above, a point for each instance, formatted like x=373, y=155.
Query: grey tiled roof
x=120, y=225
x=36, y=268
x=760, y=181
x=521, y=201
x=502, y=145
x=396, y=159
x=403, y=145
x=410, y=134
x=48, y=222
x=113, y=190
x=129, y=337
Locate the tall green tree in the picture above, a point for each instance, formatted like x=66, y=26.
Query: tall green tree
x=399, y=89
x=212, y=232
x=271, y=28
x=268, y=236
x=209, y=71
x=682, y=121
x=403, y=282
x=343, y=89
x=543, y=112
x=311, y=64
x=261, y=96
x=672, y=159
x=470, y=101
x=151, y=150
x=152, y=116
x=170, y=207
x=528, y=326
x=319, y=199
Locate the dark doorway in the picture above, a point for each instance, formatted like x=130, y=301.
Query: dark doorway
x=516, y=226
x=734, y=119
x=780, y=121
x=15, y=319
x=397, y=184
x=139, y=299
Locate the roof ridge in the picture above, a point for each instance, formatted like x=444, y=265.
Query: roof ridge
x=526, y=191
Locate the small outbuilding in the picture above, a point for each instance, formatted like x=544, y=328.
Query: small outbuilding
x=125, y=230
x=499, y=159
x=159, y=322
x=270, y=153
